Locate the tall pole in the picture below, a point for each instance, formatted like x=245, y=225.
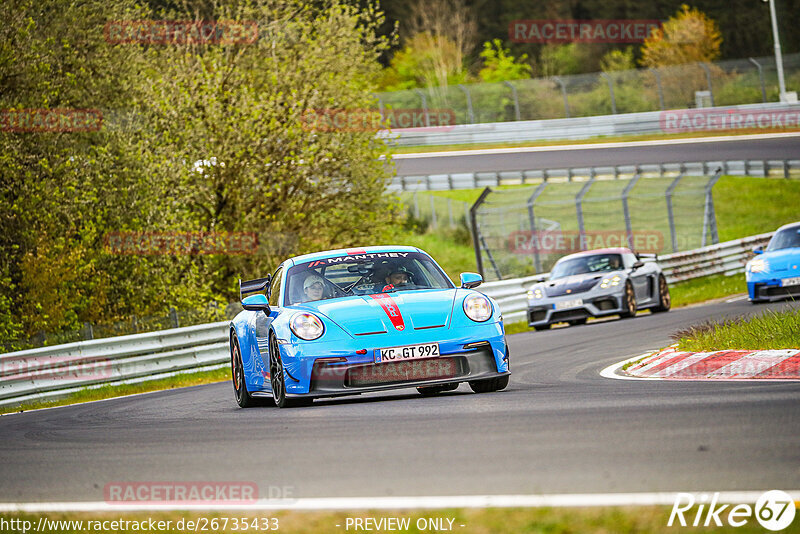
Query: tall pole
x=778, y=56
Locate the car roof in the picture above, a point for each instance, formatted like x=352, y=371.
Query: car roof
x=352, y=252
x=788, y=226
x=616, y=250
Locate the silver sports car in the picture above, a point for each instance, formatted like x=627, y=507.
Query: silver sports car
x=596, y=283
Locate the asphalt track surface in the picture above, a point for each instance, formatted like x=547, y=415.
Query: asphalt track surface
x=775, y=148
x=558, y=428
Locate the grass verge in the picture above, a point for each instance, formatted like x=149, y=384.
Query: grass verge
x=109, y=391
x=651, y=519
x=590, y=141
x=769, y=330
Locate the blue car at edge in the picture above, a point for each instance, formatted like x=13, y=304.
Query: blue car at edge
x=350, y=321
x=775, y=273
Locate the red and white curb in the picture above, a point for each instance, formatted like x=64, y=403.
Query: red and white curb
x=672, y=364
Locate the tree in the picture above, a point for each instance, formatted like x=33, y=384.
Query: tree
x=689, y=36
x=499, y=65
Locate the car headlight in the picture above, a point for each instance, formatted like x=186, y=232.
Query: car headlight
x=535, y=293
x=306, y=326
x=758, y=265
x=610, y=282
x=477, y=307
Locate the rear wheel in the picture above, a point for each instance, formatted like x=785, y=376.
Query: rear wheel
x=277, y=380
x=628, y=302
x=664, y=299
x=490, y=384
x=243, y=398
x=430, y=391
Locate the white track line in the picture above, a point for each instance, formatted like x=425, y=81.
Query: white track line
x=593, y=146
x=396, y=503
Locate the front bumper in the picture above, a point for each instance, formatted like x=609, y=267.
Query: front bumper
x=771, y=290
x=543, y=312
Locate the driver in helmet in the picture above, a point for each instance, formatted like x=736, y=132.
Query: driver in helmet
x=398, y=276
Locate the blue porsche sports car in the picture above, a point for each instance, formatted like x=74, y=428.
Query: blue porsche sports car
x=345, y=322
x=775, y=273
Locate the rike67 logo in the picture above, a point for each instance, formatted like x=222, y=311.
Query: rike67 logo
x=774, y=510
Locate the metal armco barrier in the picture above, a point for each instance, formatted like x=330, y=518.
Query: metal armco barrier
x=52, y=372
x=475, y=180
x=572, y=128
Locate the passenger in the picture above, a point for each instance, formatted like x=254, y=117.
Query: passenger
x=313, y=287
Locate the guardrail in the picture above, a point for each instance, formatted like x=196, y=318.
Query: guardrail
x=578, y=127
x=474, y=180
x=53, y=372
x=727, y=258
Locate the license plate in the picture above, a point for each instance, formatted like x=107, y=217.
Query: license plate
x=791, y=281
x=567, y=304
x=409, y=352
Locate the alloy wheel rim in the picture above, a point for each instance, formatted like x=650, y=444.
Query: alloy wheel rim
x=629, y=294
x=237, y=369
x=665, y=298
x=276, y=372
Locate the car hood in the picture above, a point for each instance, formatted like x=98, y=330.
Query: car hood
x=396, y=311
x=577, y=283
x=787, y=259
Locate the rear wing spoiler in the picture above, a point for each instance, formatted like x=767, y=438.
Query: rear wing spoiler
x=647, y=257
x=253, y=286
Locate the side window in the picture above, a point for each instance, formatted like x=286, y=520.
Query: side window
x=275, y=288
x=630, y=259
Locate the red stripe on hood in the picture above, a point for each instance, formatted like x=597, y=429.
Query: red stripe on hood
x=392, y=310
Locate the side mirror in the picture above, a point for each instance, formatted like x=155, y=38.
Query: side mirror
x=256, y=303
x=471, y=280
x=758, y=250
x=637, y=264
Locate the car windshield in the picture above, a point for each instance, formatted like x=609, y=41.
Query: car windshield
x=786, y=238
x=586, y=264
x=363, y=274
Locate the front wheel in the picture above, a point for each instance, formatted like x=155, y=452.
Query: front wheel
x=628, y=302
x=489, y=384
x=278, y=381
x=664, y=300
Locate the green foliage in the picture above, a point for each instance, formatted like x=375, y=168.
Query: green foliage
x=500, y=65
x=426, y=61
x=617, y=60
x=767, y=331
x=562, y=59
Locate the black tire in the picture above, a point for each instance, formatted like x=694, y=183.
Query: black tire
x=490, y=384
x=629, y=302
x=278, y=381
x=576, y=322
x=664, y=298
x=541, y=327
x=430, y=391
x=243, y=397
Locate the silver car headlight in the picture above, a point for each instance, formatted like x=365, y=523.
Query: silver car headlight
x=477, y=307
x=306, y=326
x=758, y=265
x=535, y=293
x=610, y=282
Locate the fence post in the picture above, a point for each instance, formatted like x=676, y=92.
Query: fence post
x=670, y=214
x=380, y=107
x=433, y=212
x=760, y=78
x=709, y=217
x=88, y=331
x=516, y=99
x=173, y=317
x=421, y=94
x=560, y=82
x=470, y=114
x=477, y=239
x=626, y=212
x=532, y=221
x=610, y=92
x=450, y=211
x=579, y=211
x=416, y=206
x=660, y=89
x=708, y=80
